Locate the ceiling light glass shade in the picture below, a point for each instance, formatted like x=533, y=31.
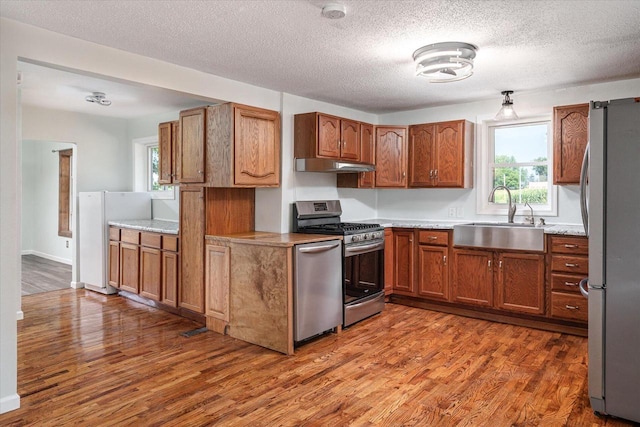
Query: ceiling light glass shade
x=507, y=112
x=98, y=98
x=445, y=62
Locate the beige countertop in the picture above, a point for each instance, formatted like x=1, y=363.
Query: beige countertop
x=561, y=229
x=264, y=238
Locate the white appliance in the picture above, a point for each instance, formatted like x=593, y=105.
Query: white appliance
x=95, y=210
x=612, y=223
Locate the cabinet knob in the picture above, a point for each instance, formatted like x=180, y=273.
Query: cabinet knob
x=489, y=264
x=444, y=260
x=200, y=172
x=404, y=174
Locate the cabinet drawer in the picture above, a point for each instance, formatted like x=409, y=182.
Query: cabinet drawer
x=114, y=233
x=570, y=264
x=432, y=237
x=151, y=240
x=569, y=245
x=566, y=282
x=569, y=306
x=130, y=236
x=170, y=243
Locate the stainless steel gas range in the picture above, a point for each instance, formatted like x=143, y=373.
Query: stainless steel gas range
x=362, y=260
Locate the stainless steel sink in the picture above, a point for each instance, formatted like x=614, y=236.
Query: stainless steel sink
x=522, y=237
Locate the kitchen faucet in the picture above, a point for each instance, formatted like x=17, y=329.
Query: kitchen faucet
x=511, y=211
x=531, y=218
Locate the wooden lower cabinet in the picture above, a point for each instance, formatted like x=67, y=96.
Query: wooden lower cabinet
x=150, y=272
x=169, y=278
x=129, y=267
x=389, y=267
x=114, y=263
x=192, y=231
x=520, y=283
x=403, y=252
x=217, y=276
x=472, y=278
x=433, y=273
x=569, y=261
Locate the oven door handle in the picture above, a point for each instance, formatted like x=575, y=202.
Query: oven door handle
x=363, y=248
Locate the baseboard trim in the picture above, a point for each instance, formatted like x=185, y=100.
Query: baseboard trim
x=9, y=403
x=77, y=285
x=47, y=256
x=109, y=290
x=19, y=315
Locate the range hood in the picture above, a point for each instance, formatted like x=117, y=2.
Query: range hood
x=329, y=165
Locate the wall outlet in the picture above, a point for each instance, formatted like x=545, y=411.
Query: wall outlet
x=452, y=212
x=460, y=212
x=66, y=243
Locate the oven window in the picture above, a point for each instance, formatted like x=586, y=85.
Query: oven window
x=363, y=275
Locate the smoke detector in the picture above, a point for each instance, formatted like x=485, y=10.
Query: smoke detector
x=334, y=11
x=98, y=98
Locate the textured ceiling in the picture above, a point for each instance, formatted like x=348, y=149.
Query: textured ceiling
x=363, y=61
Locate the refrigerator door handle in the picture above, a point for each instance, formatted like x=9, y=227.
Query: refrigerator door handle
x=583, y=190
x=584, y=290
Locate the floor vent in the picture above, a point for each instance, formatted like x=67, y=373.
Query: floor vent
x=189, y=334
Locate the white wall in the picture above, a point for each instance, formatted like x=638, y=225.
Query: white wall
x=434, y=203
x=40, y=171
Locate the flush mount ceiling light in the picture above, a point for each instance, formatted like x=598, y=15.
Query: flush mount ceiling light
x=445, y=62
x=334, y=11
x=98, y=98
x=506, y=112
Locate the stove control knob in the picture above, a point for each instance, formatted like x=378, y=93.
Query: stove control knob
x=355, y=238
x=366, y=236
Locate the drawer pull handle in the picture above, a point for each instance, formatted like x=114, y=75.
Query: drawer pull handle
x=571, y=246
x=568, y=264
x=572, y=307
x=570, y=284
x=432, y=238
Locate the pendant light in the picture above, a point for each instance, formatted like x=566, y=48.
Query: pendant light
x=445, y=62
x=507, y=112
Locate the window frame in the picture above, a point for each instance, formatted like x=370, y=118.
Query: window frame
x=485, y=163
x=142, y=169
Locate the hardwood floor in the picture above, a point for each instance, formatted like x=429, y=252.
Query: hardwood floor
x=91, y=359
x=43, y=275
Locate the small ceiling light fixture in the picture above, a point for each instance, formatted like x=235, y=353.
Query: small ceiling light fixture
x=334, y=11
x=506, y=112
x=445, y=62
x=98, y=98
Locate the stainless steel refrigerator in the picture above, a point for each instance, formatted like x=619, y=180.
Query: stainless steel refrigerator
x=611, y=203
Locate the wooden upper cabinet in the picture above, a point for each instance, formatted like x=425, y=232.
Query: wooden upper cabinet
x=167, y=149
x=391, y=156
x=367, y=155
x=318, y=135
x=256, y=147
x=192, y=142
x=422, y=141
x=229, y=145
x=570, y=135
x=440, y=154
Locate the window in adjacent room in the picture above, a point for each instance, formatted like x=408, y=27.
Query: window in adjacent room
x=518, y=155
x=147, y=169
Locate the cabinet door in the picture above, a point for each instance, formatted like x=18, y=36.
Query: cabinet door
x=472, y=279
x=150, y=270
x=114, y=263
x=257, y=147
x=192, y=229
x=165, y=136
x=520, y=283
x=433, y=281
x=218, y=264
x=421, y=146
x=191, y=152
x=389, y=267
x=403, y=280
x=367, y=154
x=129, y=267
x=391, y=157
x=169, y=278
x=570, y=135
x=350, y=136
x=449, y=160
x=328, y=136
